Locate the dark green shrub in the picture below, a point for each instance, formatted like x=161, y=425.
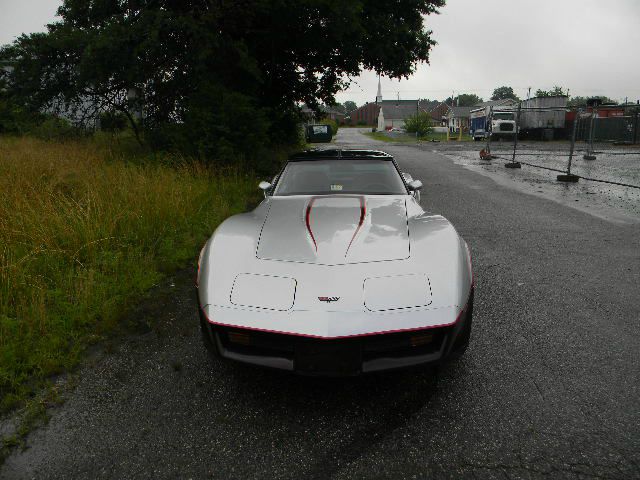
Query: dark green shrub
x=333, y=123
x=420, y=123
x=55, y=128
x=113, y=121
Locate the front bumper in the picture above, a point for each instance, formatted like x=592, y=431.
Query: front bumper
x=341, y=356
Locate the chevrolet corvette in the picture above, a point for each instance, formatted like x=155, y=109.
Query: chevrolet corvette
x=338, y=271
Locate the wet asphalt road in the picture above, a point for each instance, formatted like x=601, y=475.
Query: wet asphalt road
x=549, y=387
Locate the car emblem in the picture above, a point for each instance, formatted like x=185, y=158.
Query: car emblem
x=328, y=299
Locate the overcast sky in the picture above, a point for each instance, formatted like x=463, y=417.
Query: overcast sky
x=588, y=46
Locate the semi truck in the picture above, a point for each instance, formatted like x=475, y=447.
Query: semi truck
x=495, y=121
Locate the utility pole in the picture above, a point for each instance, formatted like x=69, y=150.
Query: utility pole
x=529, y=93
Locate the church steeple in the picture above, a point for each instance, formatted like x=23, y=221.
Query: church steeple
x=379, y=95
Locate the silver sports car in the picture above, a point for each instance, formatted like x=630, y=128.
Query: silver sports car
x=338, y=271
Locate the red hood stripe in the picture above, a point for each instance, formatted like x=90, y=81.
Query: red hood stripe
x=307, y=221
x=363, y=214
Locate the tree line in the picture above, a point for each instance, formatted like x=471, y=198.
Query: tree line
x=502, y=93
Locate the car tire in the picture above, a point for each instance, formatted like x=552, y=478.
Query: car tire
x=207, y=336
x=464, y=337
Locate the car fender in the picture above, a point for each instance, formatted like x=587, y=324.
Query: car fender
x=232, y=246
x=439, y=250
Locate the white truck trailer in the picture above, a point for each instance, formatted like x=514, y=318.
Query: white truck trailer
x=543, y=118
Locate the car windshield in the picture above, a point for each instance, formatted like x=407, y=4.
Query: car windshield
x=339, y=176
x=503, y=116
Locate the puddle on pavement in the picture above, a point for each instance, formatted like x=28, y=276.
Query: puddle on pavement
x=604, y=200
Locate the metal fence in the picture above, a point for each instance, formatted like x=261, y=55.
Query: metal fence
x=621, y=129
x=583, y=126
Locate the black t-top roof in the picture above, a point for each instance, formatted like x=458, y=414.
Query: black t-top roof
x=334, y=153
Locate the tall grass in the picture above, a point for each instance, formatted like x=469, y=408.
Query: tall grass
x=83, y=232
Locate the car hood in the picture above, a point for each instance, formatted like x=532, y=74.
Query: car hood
x=334, y=230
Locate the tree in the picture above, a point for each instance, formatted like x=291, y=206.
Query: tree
x=502, y=93
x=464, y=100
x=350, y=106
x=214, y=78
x=339, y=107
x=555, y=91
x=582, y=101
x=420, y=123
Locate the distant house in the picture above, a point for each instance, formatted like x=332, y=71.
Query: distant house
x=83, y=113
x=439, y=114
x=333, y=114
x=429, y=105
x=388, y=113
x=393, y=115
x=366, y=114
x=458, y=118
x=326, y=112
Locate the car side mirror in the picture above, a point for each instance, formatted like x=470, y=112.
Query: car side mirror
x=407, y=177
x=264, y=186
x=414, y=185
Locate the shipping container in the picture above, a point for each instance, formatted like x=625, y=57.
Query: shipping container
x=543, y=118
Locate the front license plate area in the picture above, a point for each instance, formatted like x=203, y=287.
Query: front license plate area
x=328, y=358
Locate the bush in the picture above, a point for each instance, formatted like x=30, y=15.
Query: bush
x=420, y=123
x=55, y=128
x=113, y=121
x=332, y=123
x=16, y=120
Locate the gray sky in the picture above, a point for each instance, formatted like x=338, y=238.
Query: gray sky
x=25, y=16
x=588, y=46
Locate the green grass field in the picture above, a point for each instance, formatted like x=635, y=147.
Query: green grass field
x=85, y=230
